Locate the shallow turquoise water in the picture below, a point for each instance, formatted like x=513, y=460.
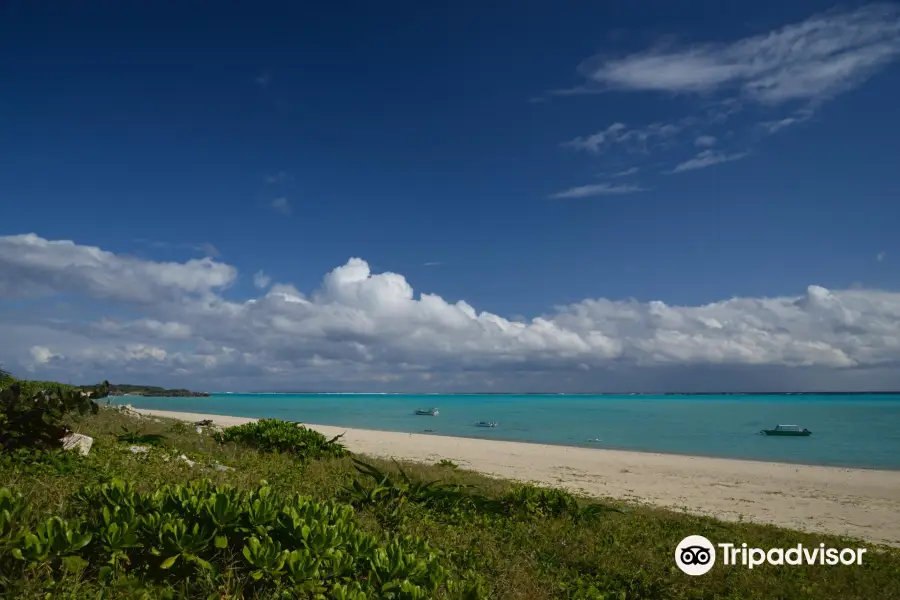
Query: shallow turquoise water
x=848, y=430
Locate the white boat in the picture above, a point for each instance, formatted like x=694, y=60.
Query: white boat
x=433, y=412
x=788, y=430
x=486, y=424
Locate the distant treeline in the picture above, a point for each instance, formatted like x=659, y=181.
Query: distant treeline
x=118, y=389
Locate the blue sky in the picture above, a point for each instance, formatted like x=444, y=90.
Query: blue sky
x=525, y=158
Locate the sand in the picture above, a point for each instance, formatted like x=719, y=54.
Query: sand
x=860, y=503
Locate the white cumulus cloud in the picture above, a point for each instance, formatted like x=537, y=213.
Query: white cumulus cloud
x=31, y=265
x=361, y=328
x=42, y=355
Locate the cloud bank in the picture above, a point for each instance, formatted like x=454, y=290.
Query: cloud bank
x=173, y=323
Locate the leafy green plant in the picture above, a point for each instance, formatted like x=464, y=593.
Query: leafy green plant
x=118, y=537
x=184, y=533
x=34, y=418
x=274, y=435
x=12, y=516
x=528, y=502
x=56, y=542
x=266, y=558
x=533, y=501
x=177, y=539
x=444, y=462
x=391, y=496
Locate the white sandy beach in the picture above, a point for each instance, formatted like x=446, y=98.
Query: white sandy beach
x=855, y=502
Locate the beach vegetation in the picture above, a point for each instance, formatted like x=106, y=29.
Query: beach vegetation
x=180, y=428
x=390, y=495
x=273, y=435
x=5, y=377
x=299, y=518
x=528, y=501
x=180, y=538
x=33, y=414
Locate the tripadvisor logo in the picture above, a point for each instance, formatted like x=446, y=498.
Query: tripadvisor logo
x=696, y=555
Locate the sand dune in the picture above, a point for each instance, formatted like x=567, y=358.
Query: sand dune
x=855, y=502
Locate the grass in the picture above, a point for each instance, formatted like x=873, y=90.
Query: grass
x=543, y=551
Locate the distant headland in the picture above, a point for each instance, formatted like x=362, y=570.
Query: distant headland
x=124, y=389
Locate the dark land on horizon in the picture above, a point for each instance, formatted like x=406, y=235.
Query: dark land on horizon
x=119, y=389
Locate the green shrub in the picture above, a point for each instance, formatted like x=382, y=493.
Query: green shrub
x=5, y=378
x=529, y=502
x=180, y=428
x=31, y=416
x=390, y=497
x=273, y=435
x=12, y=514
x=190, y=536
x=540, y=502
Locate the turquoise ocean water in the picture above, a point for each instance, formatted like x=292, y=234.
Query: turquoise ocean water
x=848, y=430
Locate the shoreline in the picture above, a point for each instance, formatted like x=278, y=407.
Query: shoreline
x=855, y=502
x=584, y=445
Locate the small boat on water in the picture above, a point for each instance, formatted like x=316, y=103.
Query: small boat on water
x=486, y=424
x=432, y=412
x=788, y=430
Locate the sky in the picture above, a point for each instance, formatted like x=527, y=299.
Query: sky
x=506, y=196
